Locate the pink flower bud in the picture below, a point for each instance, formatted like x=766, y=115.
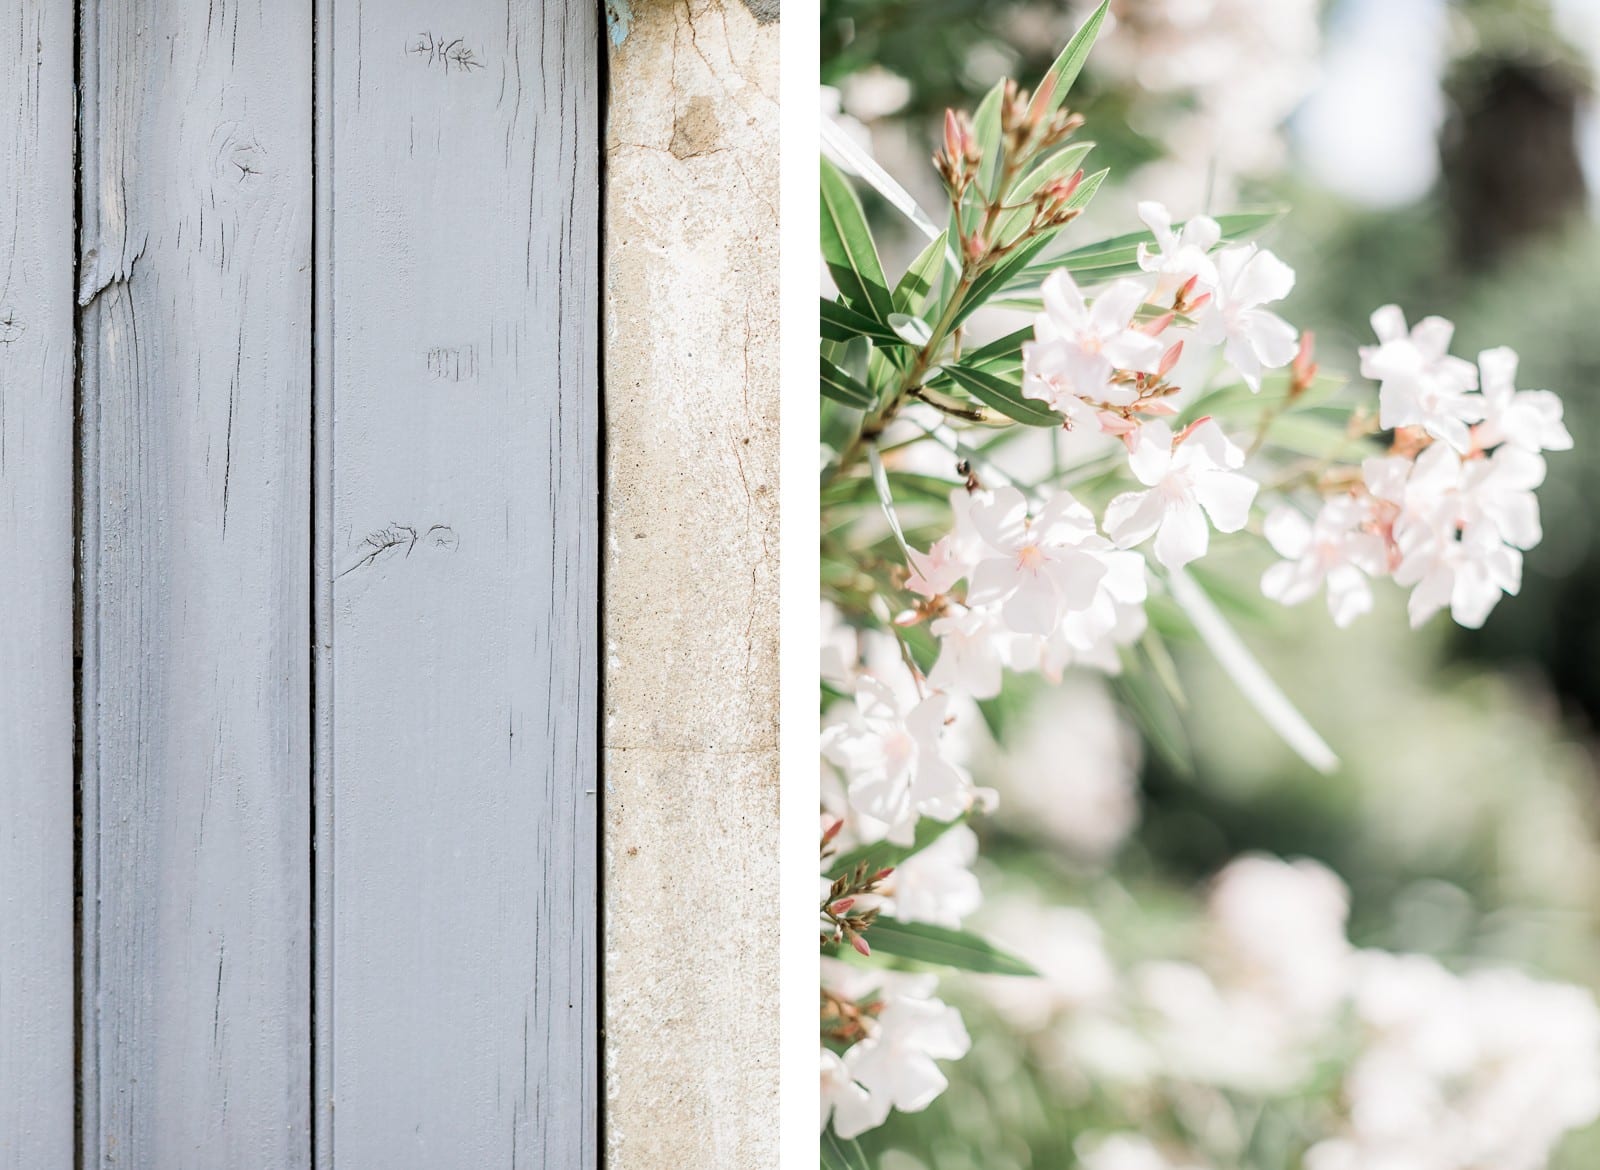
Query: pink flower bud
x=1157, y=326
x=860, y=945
x=882, y=873
x=1040, y=106
x=842, y=905
x=1169, y=359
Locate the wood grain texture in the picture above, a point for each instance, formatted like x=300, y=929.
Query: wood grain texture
x=196, y=225
x=460, y=197
x=36, y=486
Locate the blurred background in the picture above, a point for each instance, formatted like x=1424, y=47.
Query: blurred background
x=1441, y=154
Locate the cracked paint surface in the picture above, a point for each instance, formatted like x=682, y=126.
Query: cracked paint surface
x=691, y=620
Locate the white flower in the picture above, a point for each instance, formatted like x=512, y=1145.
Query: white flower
x=1467, y=574
x=895, y=1063
x=972, y=651
x=1460, y=526
x=1529, y=419
x=1179, y=255
x=936, y=884
x=953, y=554
x=1457, y=1073
x=851, y=1108
x=1126, y=1151
x=1254, y=338
x=1420, y=384
x=1280, y=929
x=1039, y=568
x=1066, y=947
x=1077, y=346
x=1189, y=482
x=893, y=761
x=1090, y=637
x=1333, y=550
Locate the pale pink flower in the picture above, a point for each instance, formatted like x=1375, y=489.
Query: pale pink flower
x=1420, y=384
x=1253, y=338
x=1077, y=346
x=1179, y=256
x=1334, y=550
x=895, y=1063
x=1188, y=482
x=1039, y=567
x=894, y=762
x=1529, y=419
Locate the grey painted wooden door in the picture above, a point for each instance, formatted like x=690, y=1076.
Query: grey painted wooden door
x=298, y=376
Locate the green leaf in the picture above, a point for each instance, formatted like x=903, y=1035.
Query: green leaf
x=1070, y=63
x=912, y=294
x=842, y=388
x=1003, y=396
x=848, y=251
x=1119, y=255
x=885, y=855
x=1154, y=712
x=986, y=130
x=1009, y=346
x=1000, y=275
x=1060, y=166
x=911, y=329
x=939, y=946
x=841, y=323
x=842, y=1154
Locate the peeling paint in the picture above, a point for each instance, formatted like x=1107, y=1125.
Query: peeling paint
x=619, y=18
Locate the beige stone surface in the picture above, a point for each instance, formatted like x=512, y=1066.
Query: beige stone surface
x=691, y=620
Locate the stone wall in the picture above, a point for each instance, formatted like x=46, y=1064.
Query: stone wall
x=690, y=595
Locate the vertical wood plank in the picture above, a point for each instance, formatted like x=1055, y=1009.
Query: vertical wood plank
x=462, y=287
x=196, y=225
x=36, y=549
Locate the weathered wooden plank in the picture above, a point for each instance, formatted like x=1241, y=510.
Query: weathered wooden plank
x=461, y=285
x=36, y=549
x=196, y=225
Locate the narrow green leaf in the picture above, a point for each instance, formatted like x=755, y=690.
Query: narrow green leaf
x=911, y=329
x=842, y=1154
x=1003, y=396
x=884, y=855
x=842, y=388
x=1070, y=63
x=1003, y=273
x=1009, y=346
x=939, y=946
x=1119, y=255
x=848, y=251
x=912, y=294
x=986, y=130
x=841, y=323
x=1058, y=166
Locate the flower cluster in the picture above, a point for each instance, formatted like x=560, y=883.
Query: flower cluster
x=1451, y=508
x=1434, y=1070
x=1167, y=356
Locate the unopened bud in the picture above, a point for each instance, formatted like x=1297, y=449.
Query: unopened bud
x=842, y=905
x=1158, y=325
x=1303, y=371
x=860, y=945
x=1042, y=100
x=832, y=830
x=976, y=247
x=1190, y=429
x=1169, y=359
x=882, y=873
